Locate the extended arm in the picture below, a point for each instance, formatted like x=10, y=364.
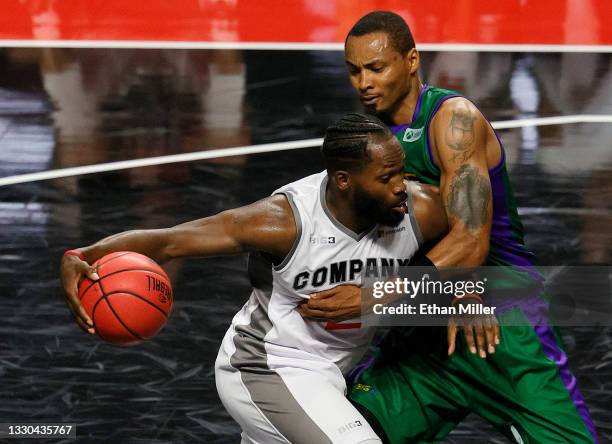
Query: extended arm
x=267, y=225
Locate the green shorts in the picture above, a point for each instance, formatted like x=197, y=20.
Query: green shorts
x=419, y=394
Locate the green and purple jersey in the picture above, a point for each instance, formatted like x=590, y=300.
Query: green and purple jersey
x=418, y=393
x=507, y=246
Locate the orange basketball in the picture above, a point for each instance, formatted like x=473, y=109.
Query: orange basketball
x=132, y=299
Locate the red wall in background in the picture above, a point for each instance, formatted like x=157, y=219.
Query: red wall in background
x=439, y=21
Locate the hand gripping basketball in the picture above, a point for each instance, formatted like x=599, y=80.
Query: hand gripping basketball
x=126, y=296
x=74, y=270
x=131, y=300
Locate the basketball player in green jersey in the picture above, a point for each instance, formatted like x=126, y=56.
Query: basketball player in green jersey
x=414, y=391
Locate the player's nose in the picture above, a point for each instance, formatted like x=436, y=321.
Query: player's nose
x=365, y=81
x=399, y=192
x=399, y=186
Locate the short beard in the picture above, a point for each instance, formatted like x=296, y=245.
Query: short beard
x=366, y=205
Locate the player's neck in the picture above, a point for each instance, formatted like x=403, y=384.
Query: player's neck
x=344, y=212
x=404, y=111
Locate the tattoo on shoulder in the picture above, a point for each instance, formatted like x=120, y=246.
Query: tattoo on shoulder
x=468, y=197
x=460, y=132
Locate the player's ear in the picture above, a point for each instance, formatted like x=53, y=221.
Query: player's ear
x=413, y=59
x=342, y=179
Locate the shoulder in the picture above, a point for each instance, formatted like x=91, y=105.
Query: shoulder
x=458, y=110
x=424, y=197
x=276, y=208
x=267, y=225
x=458, y=131
x=305, y=186
x=271, y=214
x=277, y=203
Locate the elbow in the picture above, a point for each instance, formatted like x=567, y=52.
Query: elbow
x=480, y=253
x=169, y=246
x=165, y=256
x=475, y=248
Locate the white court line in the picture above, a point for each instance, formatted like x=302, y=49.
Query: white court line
x=160, y=160
x=263, y=148
x=557, y=120
x=299, y=46
x=600, y=212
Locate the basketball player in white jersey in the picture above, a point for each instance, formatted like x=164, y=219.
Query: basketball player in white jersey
x=278, y=374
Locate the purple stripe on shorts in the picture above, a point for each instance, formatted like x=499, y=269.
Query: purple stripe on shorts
x=358, y=370
x=558, y=356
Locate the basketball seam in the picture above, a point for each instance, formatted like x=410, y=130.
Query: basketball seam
x=116, y=257
x=113, y=310
x=133, y=252
x=85, y=292
x=93, y=315
x=126, y=269
x=106, y=262
x=139, y=297
x=130, y=252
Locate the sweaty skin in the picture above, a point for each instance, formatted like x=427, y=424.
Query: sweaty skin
x=464, y=145
x=345, y=301
x=376, y=71
x=464, y=148
x=267, y=225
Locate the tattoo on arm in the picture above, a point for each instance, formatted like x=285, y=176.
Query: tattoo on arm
x=468, y=197
x=462, y=156
x=460, y=132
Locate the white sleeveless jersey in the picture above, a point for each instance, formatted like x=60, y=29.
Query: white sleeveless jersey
x=269, y=331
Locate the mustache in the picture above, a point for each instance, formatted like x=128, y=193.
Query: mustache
x=403, y=199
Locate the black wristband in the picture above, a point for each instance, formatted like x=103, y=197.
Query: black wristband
x=422, y=260
x=425, y=270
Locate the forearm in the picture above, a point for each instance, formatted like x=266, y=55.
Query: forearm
x=202, y=237
x=151, y=243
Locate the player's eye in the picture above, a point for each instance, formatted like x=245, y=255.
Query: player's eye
x=385, y=179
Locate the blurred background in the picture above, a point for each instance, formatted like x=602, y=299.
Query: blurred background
x=85, y=83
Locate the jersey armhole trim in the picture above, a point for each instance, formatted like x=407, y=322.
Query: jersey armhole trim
x=413, y=222
x=492, y=171
x=502, y=159
x=298, y=237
